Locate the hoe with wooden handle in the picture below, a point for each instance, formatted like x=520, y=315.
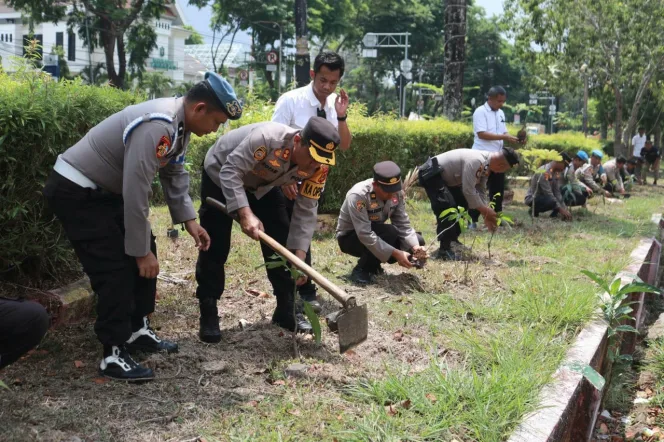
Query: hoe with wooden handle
x=352, y=320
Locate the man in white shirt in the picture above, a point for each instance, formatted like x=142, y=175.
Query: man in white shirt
x=490, y=133
x=296, y=107
x=638, y=141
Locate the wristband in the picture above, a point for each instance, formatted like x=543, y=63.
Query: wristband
x=342, y=118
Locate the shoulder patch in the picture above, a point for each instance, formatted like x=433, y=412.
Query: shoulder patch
x=286, y=154
x=320, y=176
x=163, y=147
x=314, y=185
x=260, y=153
x=360, y=205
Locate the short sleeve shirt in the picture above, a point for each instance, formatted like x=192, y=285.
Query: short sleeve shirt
x=487, y=120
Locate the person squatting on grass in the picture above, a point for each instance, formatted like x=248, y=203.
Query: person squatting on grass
x=459, y=178
x=362, y=231
x=296, y=107
x=592, y=174
x=574, y=192
x=544, y=192
x=100, y=190
x=245, y=169
x=614, y=181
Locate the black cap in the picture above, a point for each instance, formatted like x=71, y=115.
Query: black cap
x=510, y=155
x=388, y=175
x=566, y=158
x=322, y=138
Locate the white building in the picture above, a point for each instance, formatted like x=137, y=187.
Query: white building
x=168, y=57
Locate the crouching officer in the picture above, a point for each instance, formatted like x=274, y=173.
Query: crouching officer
x=100, y=191
x=361, y=229
x=575, y=193
x=245, y=169
x=23, y=324
x=544, y=191
x=459, y=178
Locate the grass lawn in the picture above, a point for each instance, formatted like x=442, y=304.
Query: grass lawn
x=448, y=357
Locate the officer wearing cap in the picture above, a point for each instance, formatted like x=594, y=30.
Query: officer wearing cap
x=591, y=174
x=614, y=181
x=574, y=192
x=361, y=229
x=100, y=190
x=544, y=192
x=245, y=169
x=459, y=178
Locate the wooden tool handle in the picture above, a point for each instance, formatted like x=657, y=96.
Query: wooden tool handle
x=339, y=295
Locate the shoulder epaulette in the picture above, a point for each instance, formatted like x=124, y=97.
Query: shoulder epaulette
x=138, y=121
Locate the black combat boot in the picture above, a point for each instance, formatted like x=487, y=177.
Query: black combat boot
x=209, y=321
x=308, y=294
x=117, y=364
x=361, y=276
x=283, y=316
x=144, y=339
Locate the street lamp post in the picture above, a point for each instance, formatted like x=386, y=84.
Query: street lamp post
x=281, y=45
x=584, y=72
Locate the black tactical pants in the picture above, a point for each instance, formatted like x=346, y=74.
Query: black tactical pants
x=94, y=223
x=574, y=197
x=350, y=244
x=442, y=198
x=543, y=203
x=271, y=211
x=307, y=290
x=23, y=324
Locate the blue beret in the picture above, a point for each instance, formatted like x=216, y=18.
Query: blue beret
x=226, y=95
x=582, y=155
x=598, y=153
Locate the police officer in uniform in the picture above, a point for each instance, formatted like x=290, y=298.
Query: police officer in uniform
x=100, y=190
x=245, y=169
x=23, y=324
x=614, y=181
x=592, y=174
x=459, y=178
x=361, y=229
x=544, y=191
x=574, y=192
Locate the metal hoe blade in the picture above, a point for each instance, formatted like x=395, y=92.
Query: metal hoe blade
x=353, y=326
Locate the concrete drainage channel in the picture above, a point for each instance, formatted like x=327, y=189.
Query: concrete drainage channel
x=568, y=407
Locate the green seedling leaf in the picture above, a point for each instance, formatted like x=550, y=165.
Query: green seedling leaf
x=590, y=374
x=445, y=213
x=615, y=286
x=598, y=280
x=626, y=328
x=639, y=287
x=313, y=319
x=3, y=385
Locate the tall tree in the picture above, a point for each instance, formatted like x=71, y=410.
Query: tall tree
x=195, y=38
x=455, y=57
x=302, y=59
x=620, y=41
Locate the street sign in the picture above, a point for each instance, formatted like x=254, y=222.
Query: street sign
x=370, y=40
x=244, y=75
x=438, y=97
x=420, y=104
x=552, y=108
x=517, y=119
x=369, y=53
x=243, y=82
x=406, y=65
x=532, y=96
x=271, y=68
x=532, y=101
x=272, y=57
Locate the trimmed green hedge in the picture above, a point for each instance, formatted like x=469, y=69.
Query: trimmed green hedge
x=570, y=142
x=40, y=119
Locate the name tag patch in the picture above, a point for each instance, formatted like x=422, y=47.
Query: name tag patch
x=311, y=189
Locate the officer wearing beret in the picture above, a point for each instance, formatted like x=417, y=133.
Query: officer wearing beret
x=361, y=229
x=459, y=178
x=592, y=174
x=544, y=192
x=614, y=181
x=100, y=190
x=245, y=169
x=574, y=192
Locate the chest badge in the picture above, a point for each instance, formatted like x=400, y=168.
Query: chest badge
x=274, y=163
x=260, y=153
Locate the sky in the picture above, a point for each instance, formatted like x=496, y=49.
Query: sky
x=200, y=18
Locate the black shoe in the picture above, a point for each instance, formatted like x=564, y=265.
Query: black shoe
x=361, y=276
x=448, y=255
x=209, y=321
x=312, y=299
x=145, y=340
x=285, y=320
x=117, y=364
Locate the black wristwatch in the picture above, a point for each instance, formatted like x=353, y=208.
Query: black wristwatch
x=342, y=118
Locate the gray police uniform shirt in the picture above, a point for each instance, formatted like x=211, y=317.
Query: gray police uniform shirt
x=547, y=183
x=470, y=170
x=257, y=157
x=361, y=208
x=588, y=174
x=124, y=153
x=612, y=172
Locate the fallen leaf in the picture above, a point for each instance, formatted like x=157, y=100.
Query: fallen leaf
x=405, y=404
x=265, y=295
x=648, y=391
x=390, y=410
x=257, y=293
x=431, y=397
x=253, y=403
x=389, y=313
x=295, y=412
x=100, y=380
x=339, y=418
x=350, y=353
x=281, y=334
x=279, y=382
x=18, y=381
x=398, y=335
x=603, y=429
x=78, y=364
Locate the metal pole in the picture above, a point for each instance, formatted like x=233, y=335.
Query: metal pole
x=281, y=45
x=87, y=30
x=403, y=87
x=585, y=105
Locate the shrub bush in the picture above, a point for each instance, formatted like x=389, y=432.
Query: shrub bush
x=40, y=119
x=570, y=142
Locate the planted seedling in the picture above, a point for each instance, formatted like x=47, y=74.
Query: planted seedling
x=501, y=218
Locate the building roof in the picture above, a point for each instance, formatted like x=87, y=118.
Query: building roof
x=203, y=53
x=192, y=66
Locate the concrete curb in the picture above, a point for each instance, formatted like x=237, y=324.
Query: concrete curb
x=69, y=304
x=569, y=405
